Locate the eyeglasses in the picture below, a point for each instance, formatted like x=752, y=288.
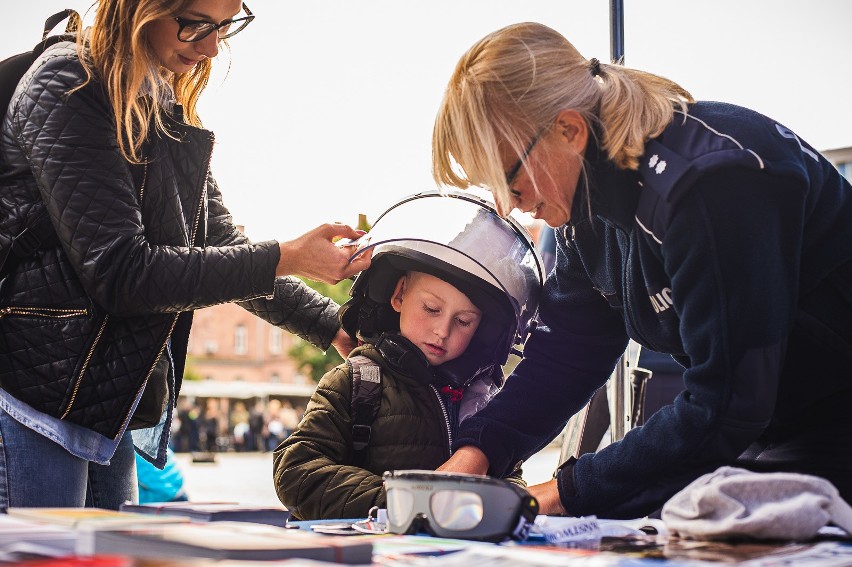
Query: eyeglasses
x=196, y=30
x=459, y=506
x=513, y=171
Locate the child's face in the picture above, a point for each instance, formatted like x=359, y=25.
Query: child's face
x=435, y=316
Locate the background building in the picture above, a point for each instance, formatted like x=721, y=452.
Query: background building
x=229, y=344
x=842, y=158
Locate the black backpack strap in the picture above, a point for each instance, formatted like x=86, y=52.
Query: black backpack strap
x=366, y=398
x=74, y=22
x=14, y=67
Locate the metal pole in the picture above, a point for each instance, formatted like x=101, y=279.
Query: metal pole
x=616, y=31
x=621, y=403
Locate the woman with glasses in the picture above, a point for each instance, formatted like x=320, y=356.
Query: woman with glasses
x=699, y=229
x=102, y=138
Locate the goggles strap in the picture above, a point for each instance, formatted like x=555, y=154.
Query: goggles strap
x=526, y=518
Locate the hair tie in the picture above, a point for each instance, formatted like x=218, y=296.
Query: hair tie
x=594, y=66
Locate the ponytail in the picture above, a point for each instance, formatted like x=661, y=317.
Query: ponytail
x=515, y=81
x=634, y=107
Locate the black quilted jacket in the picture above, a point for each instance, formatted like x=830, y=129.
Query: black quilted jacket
x=84, y=321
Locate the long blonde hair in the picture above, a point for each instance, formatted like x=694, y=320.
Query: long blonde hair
x=116, y=52
x=515, y=81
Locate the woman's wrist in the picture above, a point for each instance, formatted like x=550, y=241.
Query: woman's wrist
x=549, y=501
x=467, y=459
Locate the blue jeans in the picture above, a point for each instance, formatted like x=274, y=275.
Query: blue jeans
x=36, y=472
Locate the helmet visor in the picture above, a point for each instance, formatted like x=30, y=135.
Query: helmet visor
x=464, y=231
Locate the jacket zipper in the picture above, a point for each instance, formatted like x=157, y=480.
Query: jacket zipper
x=446, y=418
x=203, y=188
x=144, y=180
x=202, y=193
x=79, y=379
x=43, y=312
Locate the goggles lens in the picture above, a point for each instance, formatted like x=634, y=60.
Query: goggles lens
x=456, y=509
x=400, y=503
x=457, y=506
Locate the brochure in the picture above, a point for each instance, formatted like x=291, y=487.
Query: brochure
x=215, y=512
x=92, y=518
x=226, y=540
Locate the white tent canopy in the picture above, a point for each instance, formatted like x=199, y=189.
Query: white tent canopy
x=244, y=390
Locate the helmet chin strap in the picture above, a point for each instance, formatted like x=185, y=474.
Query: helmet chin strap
x=402, y=355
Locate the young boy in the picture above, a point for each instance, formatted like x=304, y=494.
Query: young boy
x=435, y=330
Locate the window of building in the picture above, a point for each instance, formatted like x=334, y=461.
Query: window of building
x=276, y=340
x=845, y=169
x=240, y=339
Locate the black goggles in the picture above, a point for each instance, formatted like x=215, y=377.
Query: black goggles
x=459, y=506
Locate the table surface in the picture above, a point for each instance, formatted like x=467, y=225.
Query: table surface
x=831, y=548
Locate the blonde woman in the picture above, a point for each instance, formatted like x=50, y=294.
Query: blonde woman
x=699, y=229
x=103, y=139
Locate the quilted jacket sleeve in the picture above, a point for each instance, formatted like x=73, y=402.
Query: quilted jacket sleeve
x=69, y=142
x=293, y=306
x=309, y=475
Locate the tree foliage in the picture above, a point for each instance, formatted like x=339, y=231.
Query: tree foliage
x=310, y=360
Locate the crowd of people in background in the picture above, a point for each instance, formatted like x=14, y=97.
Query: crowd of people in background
x=214, y=425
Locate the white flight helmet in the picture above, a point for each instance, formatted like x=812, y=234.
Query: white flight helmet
x=458, y=237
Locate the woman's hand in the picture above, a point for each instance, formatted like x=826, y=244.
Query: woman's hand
x=467, y=459
x=315, y=256
x=547, y=494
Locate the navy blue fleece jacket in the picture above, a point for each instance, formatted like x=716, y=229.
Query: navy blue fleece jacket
x=707, y=252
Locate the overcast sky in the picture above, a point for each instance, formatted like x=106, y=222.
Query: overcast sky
x=328, y=107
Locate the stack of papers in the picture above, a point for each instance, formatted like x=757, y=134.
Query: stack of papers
x=56, y=532
x=215, y=512
x=22, y=539
x=89, y=518
x=227, y=540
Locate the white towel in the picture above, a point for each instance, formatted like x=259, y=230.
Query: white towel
x=736, y=503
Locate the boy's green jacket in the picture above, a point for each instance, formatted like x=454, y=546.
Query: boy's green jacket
x=312, y=469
